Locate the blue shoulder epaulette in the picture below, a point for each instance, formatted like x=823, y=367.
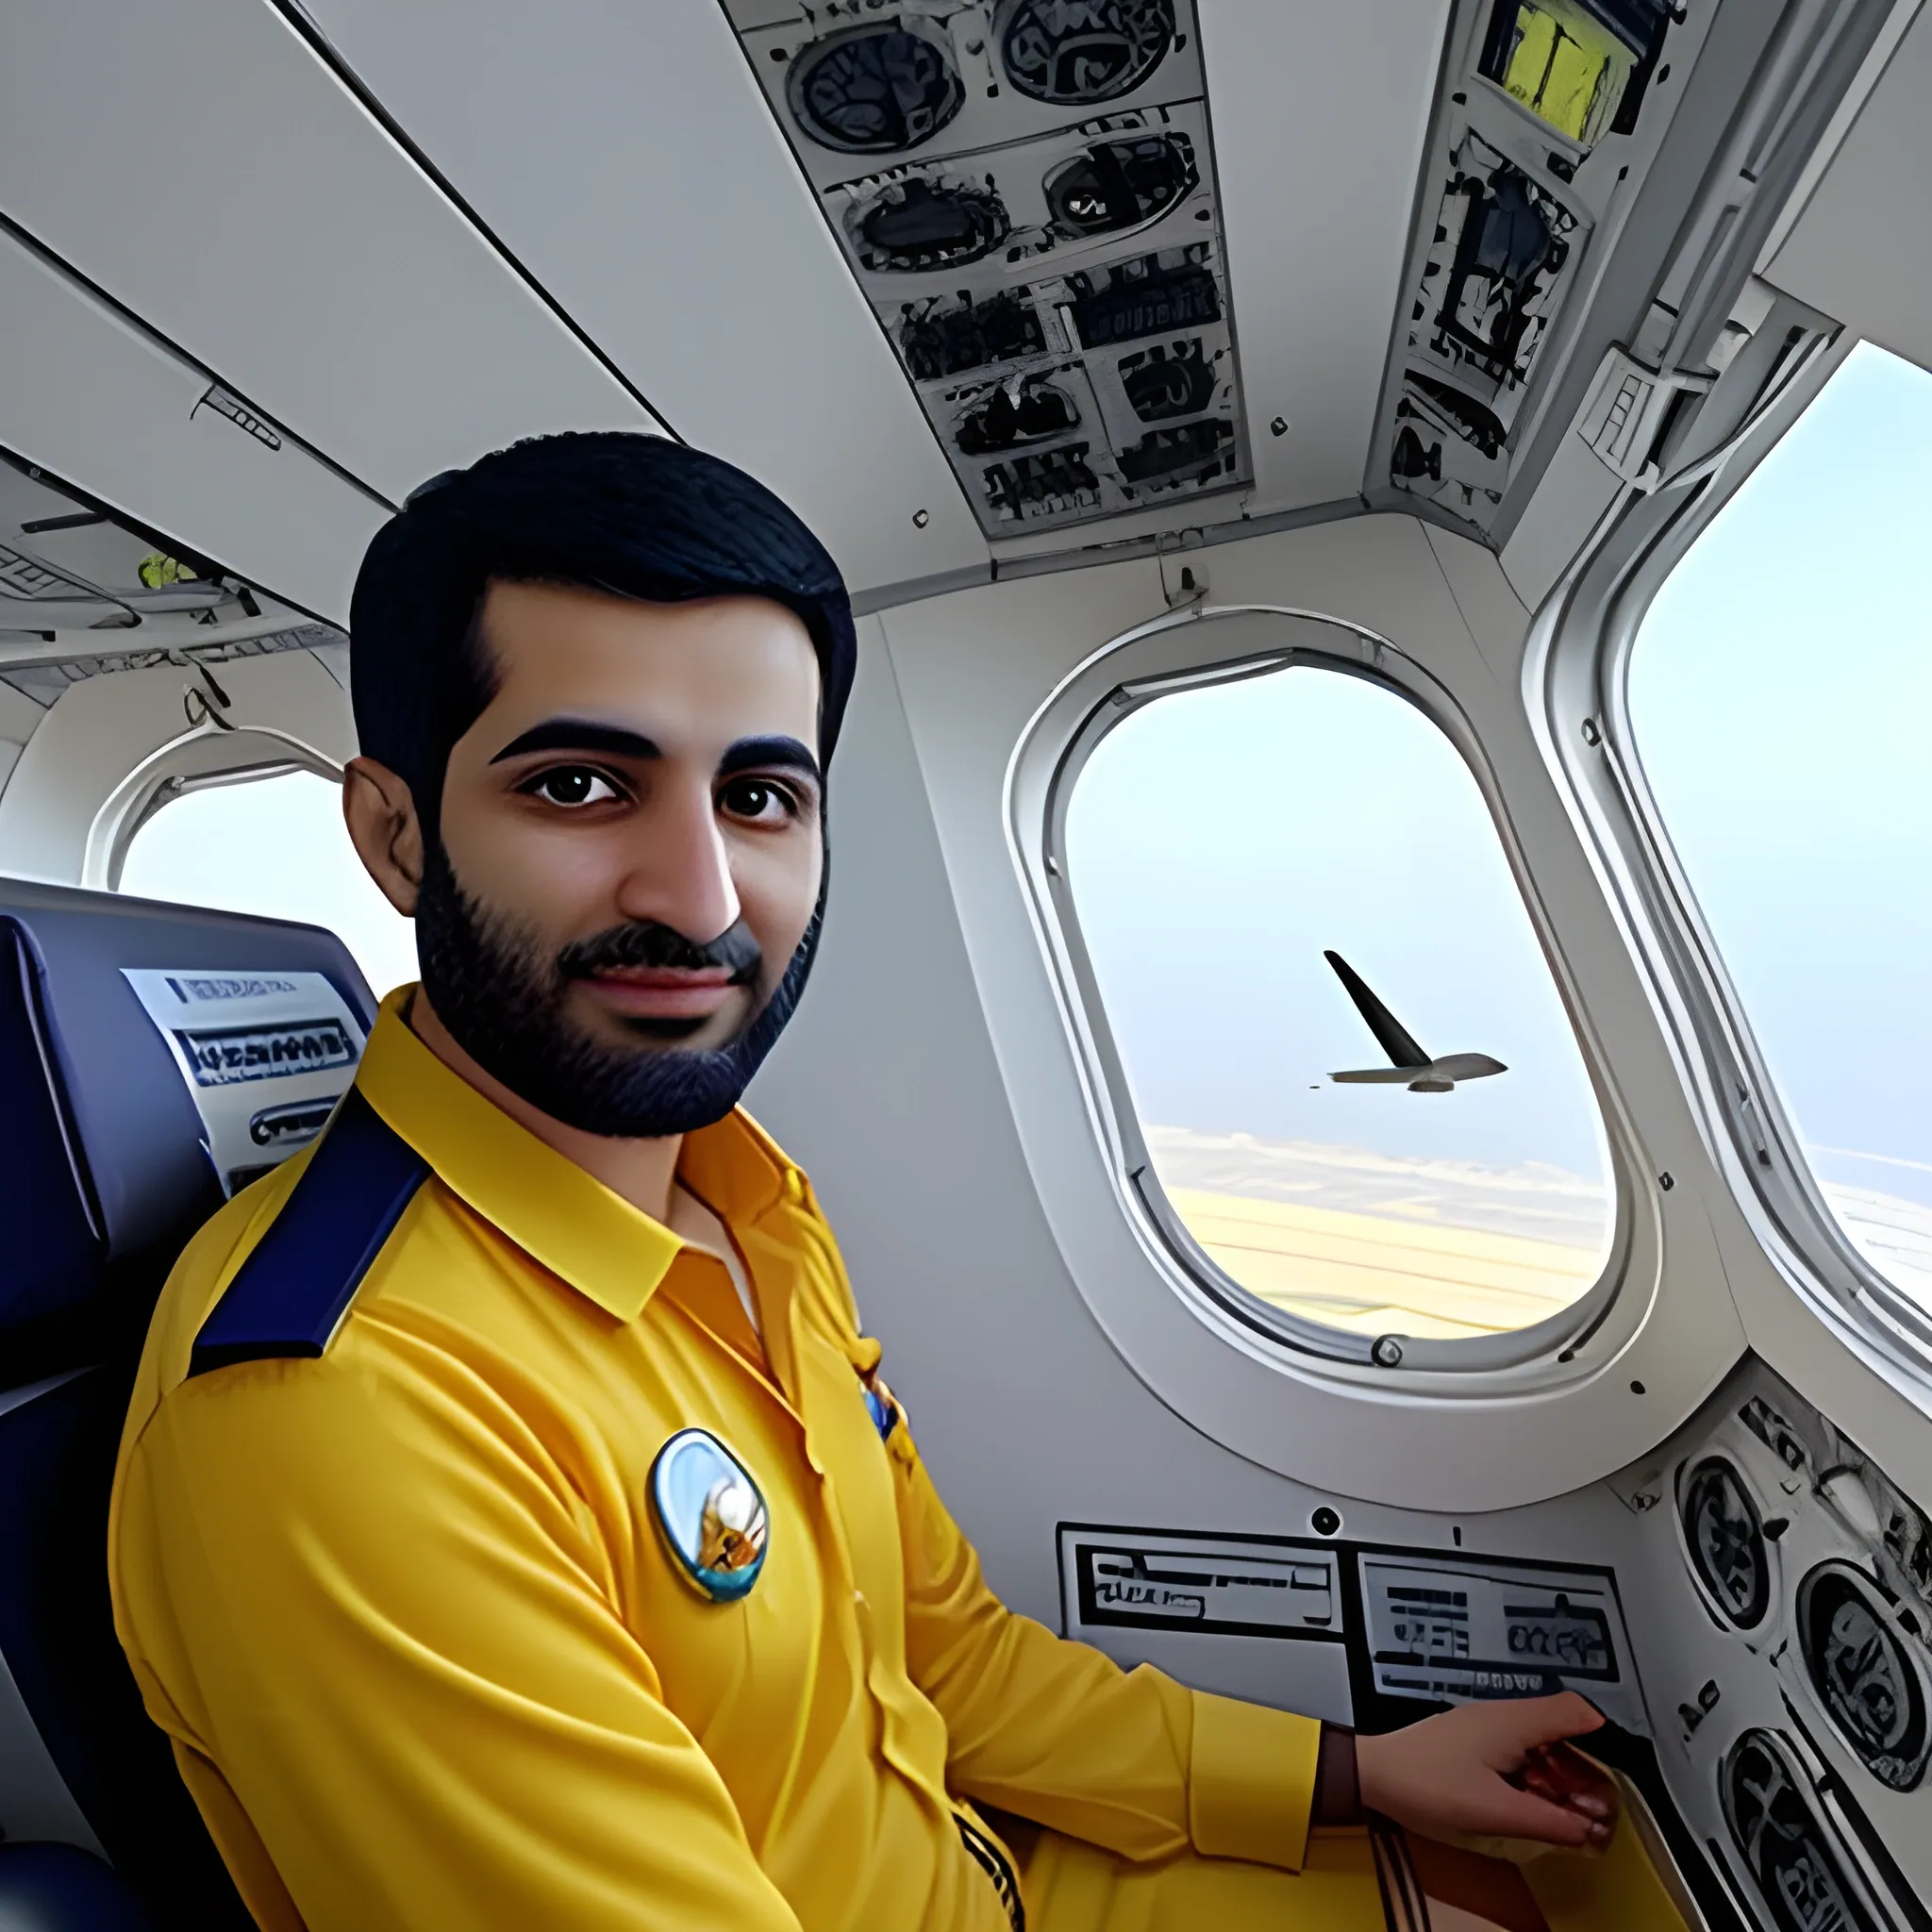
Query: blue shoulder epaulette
x=290, y=1293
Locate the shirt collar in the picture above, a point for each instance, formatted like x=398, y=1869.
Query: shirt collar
x=560, y=1216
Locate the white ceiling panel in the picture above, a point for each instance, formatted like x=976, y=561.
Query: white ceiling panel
x=1859, y=250
x=626, y=155
x=102, y=407
x=1320, y=114
x=202, y=165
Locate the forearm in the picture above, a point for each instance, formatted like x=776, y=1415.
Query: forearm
x=1058, y=1733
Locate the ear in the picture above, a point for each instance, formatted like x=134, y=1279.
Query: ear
x=385, y=830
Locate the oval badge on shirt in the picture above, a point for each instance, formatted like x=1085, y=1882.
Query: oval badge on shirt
x=710, y=1515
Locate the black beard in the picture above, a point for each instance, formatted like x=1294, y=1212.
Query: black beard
x=503, y=1001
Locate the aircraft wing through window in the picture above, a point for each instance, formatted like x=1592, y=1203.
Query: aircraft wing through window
x=1410, y=1065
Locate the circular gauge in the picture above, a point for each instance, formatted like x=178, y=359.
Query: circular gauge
x=1118, y=184
x=1161, y=387
x=875, y=90
x=925, y=225
x=1863, y=1675
x=1727, y=1542
x=1783, y=1840
x=1077, y=53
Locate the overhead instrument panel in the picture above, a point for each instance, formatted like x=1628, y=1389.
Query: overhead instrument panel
x=1024, y=191
x=1538, y=152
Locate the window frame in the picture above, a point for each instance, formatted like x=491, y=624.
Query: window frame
x=208, y=754
x=1076, y=719
x=1578, y=666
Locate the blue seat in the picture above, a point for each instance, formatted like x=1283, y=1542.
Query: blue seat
x=47, y=1887
x=104, y=1175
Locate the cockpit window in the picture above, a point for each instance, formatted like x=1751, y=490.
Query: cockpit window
x=1355, y=1081
x=1778, y=694
x=274, y=846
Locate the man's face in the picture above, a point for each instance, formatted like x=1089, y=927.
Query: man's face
x=631, y=851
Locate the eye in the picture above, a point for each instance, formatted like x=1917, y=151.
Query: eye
x=570, y=785
x=758, y=801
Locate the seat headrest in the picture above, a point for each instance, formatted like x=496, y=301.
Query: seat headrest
x=118, y=1122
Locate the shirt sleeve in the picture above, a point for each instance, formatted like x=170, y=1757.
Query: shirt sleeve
x=380, y=1629
x=1053, y=1731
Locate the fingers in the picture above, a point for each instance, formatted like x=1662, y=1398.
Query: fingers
x=1498, y=1770
x=1566, y=1777
x=1514, y=1813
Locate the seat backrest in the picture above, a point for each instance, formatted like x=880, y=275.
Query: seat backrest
x=149, y=1056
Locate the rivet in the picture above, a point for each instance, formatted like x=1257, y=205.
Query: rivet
x=1637, y=1388
x=1279, y=426
x=1590, y=734
x=1325, y=1522
x=1666, y=1181
x=1386, y=1352
x=921, y=518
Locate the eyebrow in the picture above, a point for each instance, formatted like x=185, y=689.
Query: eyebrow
x=580, y=734
x=757, y=754
x=616, y=741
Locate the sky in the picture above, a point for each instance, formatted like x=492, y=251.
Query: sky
x=274, y=847
x=1220, y=840
x=1781, y=700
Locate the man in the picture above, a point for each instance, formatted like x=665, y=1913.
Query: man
x=513, y=1527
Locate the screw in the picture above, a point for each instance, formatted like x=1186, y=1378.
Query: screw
x=1386, y=1352
x=1590, y=734
x=1666, y=1181
x=921, y=518
x=1279, y=426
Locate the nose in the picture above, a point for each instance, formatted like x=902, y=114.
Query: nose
x=680, y=871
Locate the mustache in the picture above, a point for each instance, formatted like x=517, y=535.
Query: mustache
x=650, y=942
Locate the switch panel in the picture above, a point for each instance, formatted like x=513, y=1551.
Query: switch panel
x=1454, y=1631
x=1139, y=1580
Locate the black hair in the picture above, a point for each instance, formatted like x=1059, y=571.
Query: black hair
x=636, y=515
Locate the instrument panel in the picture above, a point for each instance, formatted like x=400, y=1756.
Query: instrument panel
x=1801, y=1756
x=1024, y=191
x=1397, y=1627
x=1774, y=1703
x=1449, y=1633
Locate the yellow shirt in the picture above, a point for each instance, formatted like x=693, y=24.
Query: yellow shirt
x=427, y=1660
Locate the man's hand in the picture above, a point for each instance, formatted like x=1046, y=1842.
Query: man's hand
x=1498, y=1770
